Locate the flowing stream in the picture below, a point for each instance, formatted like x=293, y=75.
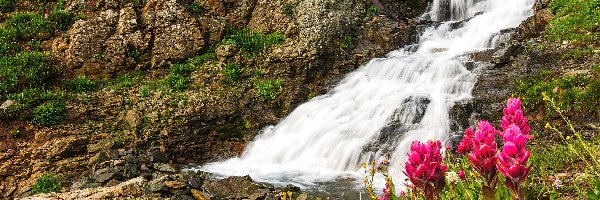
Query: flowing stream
x=382, y=107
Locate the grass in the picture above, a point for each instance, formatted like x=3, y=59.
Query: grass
x=232, y=72
x=574, y=20
x=572, y=93
x=81, y=84
x=253, y=42
x=46, y=183
x=269, y=90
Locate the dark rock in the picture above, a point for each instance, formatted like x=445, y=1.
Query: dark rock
x=157, y=156
x=162, y=167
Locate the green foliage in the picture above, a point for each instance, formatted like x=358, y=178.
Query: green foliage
x=25, y=26
x=81, y=84
x=7, y=5
x=372, y=10
x=288, y=9
x=26, y=69
x=269, y=90
x=232, y=72
x=178, y=82
x=574, y=20
x=573, y=93
x=346, y=43
x=200, y=59
x=254, y=42
x=195, y=8
x=578, y=53
x=61, y=20
x=50, y=113
x=46, y=183
x=594, y=194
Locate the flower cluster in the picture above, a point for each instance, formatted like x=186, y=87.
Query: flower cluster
x=484, y=151
x=424, y=167
x=514, y=115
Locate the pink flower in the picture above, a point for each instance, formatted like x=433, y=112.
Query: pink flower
x=424, y=167
x=466, y=145
x=461, y=174
x=512, y=160
x=483, y=156
x=514, y=115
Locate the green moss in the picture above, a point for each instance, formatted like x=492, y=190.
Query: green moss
x=269, y=90
x=81, y=84
x=232, y=72
x=50, y=113
x=574, y=20
x=46, y=183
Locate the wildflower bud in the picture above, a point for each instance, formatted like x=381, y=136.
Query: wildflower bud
x=483, y=156
x=466, y=145
x=514, y=115
x=424, y=168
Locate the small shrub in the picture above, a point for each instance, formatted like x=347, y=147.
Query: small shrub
x=346, y=43
x=372, y=10
x=50, y=113
x=7, y=5
x=26, y=69
x=46, y=183
x=183, y=69
x=232, y=72
x=288, y=9
x=81, y=84
x=61, y=20
x=195, y=8
x=178, y=82
x=254, y=42
x=269, y=90
x=29, y=26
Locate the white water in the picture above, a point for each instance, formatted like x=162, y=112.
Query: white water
x=412, y=88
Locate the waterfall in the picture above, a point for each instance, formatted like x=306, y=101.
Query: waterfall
x=383, y=106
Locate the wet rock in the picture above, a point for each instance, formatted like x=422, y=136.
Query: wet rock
x=162, y=167
x=506, y=54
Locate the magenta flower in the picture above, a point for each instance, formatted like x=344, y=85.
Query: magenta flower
x=512, y=160
x=466, y=145
x=483, y=156
x=424, y=168
x=514, y=115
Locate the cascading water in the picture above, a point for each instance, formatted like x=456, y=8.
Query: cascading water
x=384, y=105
